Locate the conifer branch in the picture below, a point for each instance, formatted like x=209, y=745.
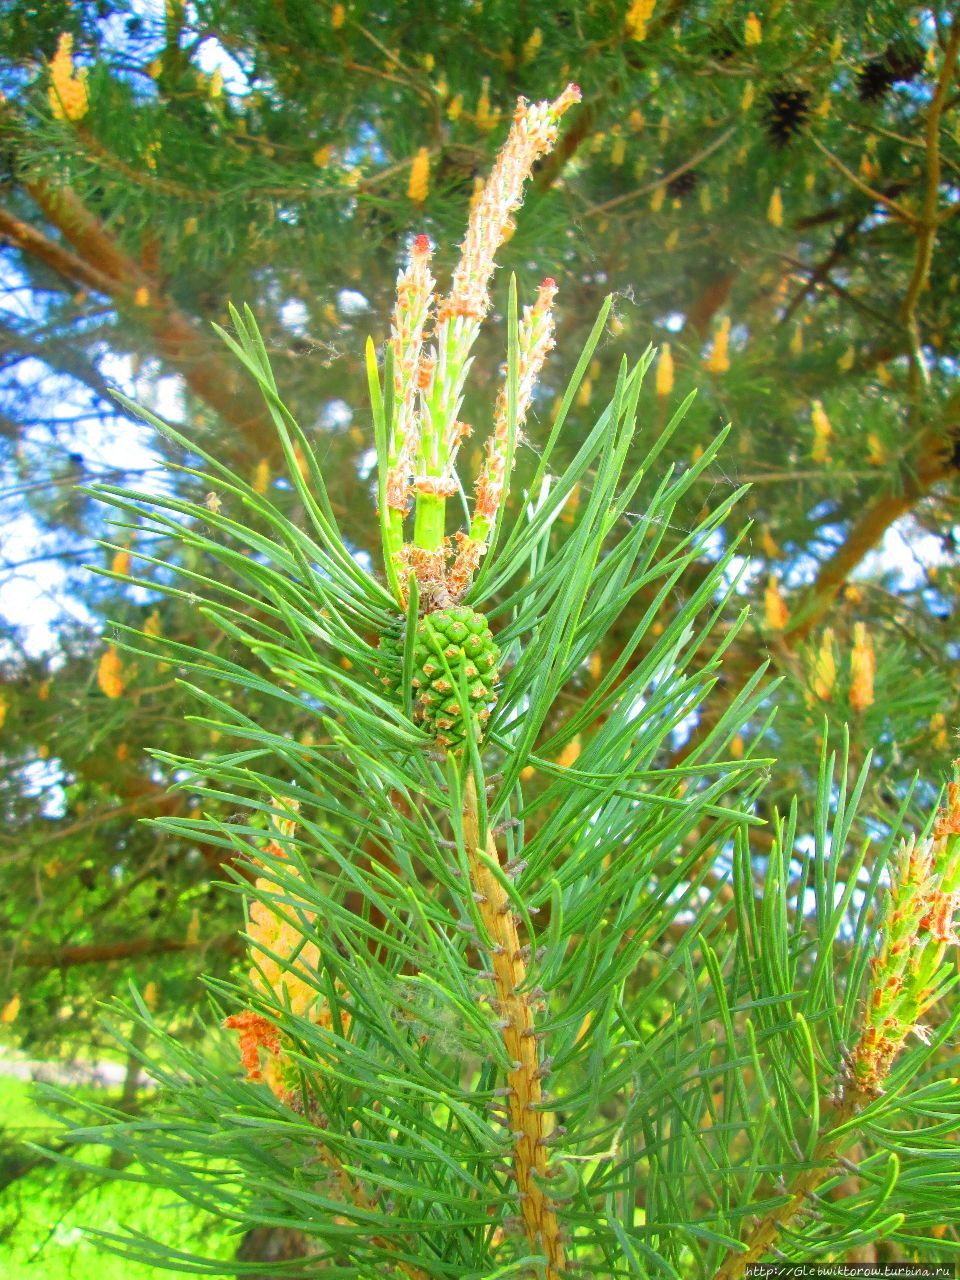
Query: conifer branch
x=98, y=262
x=108, y=952
x=28, y=239
x=606, y=206
x=820, y=272
x=360, y=1017
x=899, y=211
x=934, y=464
x=919, y=924
x=527, y=1118
x=589, y=118
x=87, y=234
x=927, y=227
x=822, y=1164
x=352, y=1192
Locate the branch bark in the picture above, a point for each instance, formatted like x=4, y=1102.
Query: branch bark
x=72, y=268
x=528, y=1121
x=96, y=261
x=108, y=952
x=934, y=464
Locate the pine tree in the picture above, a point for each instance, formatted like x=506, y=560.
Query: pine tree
x=495, y=1020
x=766, y=193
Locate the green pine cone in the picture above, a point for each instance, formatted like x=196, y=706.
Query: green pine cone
x=448, y=642
x=389, y=668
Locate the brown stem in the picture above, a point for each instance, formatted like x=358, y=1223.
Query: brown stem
x=711, y=298
x=899, y=211
x=848, y=208
x=352, y=1191
x=66, y=264
x=105, y=952
x=97, y=261
x=87, y=234
x=648, y=188
x=531, y=1124
x=821, y=272
x=824, y=1158
x=934, y=464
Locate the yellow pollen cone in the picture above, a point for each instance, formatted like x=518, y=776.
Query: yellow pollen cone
x=418, y=187
x=774, y=606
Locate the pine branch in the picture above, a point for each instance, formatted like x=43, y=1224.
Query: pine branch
x=353, y=1193
x=108, y=952
x=69, y=265
x=529, y=1122
x=88, y=236
x=148, y=800
x=899, y=211
x=929, y=222
x=100, y=263
x=606, y=206
x=590, y=115
x=362, y=1021
x=934, y=464
x=820, y=272
x=848, y=208
x=834, y=1133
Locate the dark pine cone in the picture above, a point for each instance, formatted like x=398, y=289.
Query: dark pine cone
x=785, y=114
x=874, y=80
x=904, y=57
x=901, y=60
x=683, y=184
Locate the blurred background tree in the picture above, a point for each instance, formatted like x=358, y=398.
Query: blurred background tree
x=768, y=192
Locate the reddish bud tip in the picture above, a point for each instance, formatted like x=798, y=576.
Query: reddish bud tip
x=549, y=283
x=421, y=244
x=575, y=92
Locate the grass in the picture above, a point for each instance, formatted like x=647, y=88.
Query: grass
x=47, y=1216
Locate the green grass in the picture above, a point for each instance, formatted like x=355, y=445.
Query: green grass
x=47, y=1216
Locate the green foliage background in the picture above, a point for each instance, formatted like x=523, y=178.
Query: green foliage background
x=47, y=1215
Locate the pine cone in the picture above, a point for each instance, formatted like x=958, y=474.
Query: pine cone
x=874, y=80
x=450, y=642
x=901, y=61
x=683, y=184
x=786, y=112
x=389, y=668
